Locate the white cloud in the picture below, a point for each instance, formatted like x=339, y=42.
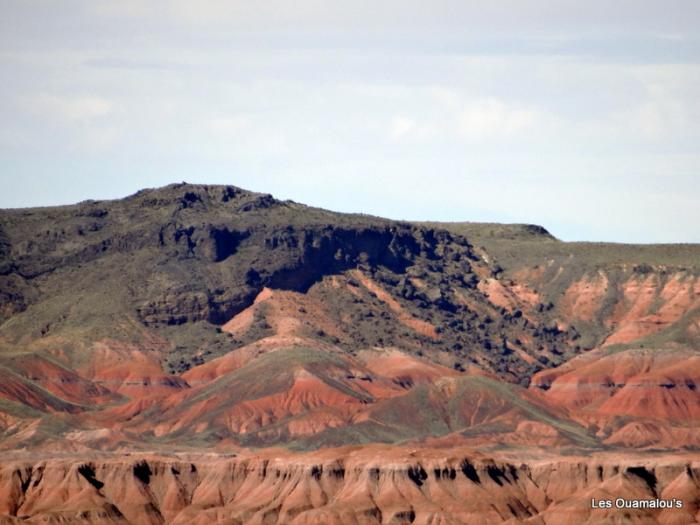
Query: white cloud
x=69, y=109
x=447, y=114
x=226, y=126
x=122, y=8
x=492, y=118
x=404, y=127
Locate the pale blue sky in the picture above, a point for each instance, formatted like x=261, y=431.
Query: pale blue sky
x=580, y=116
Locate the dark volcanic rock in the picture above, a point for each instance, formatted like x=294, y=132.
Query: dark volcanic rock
x=186, y=254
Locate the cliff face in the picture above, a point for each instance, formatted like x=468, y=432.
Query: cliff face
x=370, y=486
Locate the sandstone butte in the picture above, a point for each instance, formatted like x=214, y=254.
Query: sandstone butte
x=205, y=354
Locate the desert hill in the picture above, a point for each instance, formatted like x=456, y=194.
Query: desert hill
x=191, y=319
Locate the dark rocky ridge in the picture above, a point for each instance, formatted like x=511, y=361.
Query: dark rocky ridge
x=190, y=255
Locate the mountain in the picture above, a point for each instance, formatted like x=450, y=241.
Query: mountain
x=218, y=330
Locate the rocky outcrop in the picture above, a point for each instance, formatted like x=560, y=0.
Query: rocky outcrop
x=370, y=486
x=188, y=255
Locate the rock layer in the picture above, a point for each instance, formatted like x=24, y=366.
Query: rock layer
x=373, y=485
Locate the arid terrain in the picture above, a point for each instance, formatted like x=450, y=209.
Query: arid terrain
x=205, y=354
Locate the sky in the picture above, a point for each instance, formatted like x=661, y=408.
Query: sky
x=583, y=117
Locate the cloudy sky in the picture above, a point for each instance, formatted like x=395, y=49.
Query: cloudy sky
x=580, y=116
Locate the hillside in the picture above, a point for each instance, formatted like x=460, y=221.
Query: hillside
x=199, y=320
x=180, y=261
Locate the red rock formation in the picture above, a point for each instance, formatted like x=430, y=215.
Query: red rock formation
x=370, y=485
